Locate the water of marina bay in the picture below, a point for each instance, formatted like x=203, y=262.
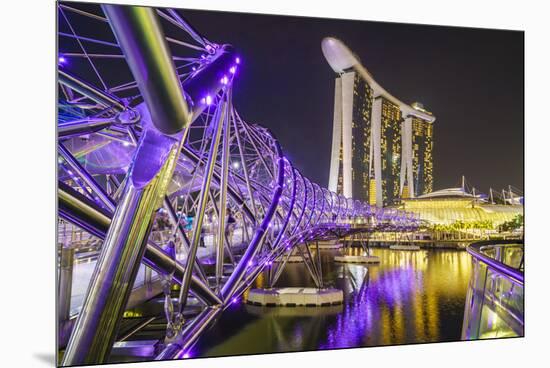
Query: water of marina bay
x=410, y=297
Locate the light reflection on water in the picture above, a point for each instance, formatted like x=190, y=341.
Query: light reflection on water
x=410, y=297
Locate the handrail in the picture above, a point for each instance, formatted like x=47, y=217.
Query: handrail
x=475, y=250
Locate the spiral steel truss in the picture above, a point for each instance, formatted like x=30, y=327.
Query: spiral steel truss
x=146, y=123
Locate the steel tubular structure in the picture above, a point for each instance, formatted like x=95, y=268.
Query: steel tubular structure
x=155, y=131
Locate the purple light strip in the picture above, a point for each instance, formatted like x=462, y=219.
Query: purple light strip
x=290, y=210
x=232, y=283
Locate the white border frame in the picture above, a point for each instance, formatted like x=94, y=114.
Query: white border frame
x=28, y=325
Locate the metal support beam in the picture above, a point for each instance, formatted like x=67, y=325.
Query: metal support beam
x=66, y=264
x=227, y=245
x=223, y=199
x=173, y=216
x=203, y=198
x=89, y=91
x=121, y=254
x=88, y=179
x=232, y=283
x=142, y=41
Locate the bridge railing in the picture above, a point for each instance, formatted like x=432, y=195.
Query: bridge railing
x=495, y=299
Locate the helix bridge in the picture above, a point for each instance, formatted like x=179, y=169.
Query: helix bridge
x=147, y=125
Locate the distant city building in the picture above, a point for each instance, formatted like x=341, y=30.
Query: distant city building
x=381, y=147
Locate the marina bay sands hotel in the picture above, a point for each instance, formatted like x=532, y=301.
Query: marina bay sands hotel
x=381, y=147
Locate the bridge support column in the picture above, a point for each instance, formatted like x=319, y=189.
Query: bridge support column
x=364, y=257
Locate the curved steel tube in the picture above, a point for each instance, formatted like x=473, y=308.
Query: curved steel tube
x=90, y=91
x=140, y=37
x=475, y=250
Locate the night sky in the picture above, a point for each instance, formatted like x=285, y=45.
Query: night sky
x=471, y=79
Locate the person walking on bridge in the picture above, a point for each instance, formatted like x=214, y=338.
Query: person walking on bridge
x=229, y=226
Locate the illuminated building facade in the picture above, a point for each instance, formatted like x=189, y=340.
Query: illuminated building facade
x=417, y=160
x=361, y=137
x=422, y=156
x=451, y=205
x=381, y=147
x=390, y=150
x=351, y=136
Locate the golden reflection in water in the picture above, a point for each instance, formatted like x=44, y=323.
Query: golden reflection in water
x=414, y=296
x=410, y=297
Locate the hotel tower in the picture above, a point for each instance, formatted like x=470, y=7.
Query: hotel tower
x=381, y=147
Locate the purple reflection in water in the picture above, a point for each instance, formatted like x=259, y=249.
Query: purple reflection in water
x=378, y=296
x=410, y=297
